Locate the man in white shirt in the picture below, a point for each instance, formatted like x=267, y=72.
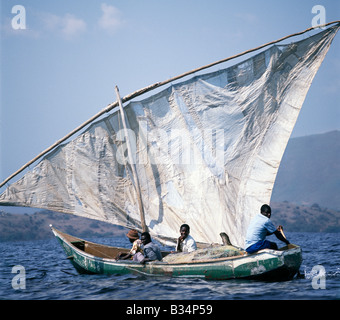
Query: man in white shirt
x=185, y=243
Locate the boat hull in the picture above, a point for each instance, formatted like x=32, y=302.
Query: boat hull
x=269, y=265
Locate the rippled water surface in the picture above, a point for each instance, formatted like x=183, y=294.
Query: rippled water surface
x=49, y=275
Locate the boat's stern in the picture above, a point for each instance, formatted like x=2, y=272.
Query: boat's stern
x=277, y=265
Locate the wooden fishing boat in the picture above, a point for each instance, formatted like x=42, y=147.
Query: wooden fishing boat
x=269, y=265
x=204, y=151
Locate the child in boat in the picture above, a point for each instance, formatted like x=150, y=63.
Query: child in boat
x=136, y=245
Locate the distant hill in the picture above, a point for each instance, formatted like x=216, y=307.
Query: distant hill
x=310, y=171
x=300, y=218
x=36, y=226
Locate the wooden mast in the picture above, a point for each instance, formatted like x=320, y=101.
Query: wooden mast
x=132, y=164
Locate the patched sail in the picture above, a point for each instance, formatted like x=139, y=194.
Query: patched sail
x=206, y=150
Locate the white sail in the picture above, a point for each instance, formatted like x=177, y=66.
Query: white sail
x=206, y=150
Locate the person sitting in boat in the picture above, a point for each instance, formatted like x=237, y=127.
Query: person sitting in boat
x=136, y=245
x=151, y=251
x=260, y=227
x=185, y=243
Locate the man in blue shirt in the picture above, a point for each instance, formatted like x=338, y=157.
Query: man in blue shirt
x=259, y=228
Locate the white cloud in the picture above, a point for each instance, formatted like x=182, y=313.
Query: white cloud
x=111, y=18
x=71, y=25
x=68, y=25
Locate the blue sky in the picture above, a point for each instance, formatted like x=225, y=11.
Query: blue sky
x=63, y=67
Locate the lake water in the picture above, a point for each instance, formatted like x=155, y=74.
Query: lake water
x=49, y=275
